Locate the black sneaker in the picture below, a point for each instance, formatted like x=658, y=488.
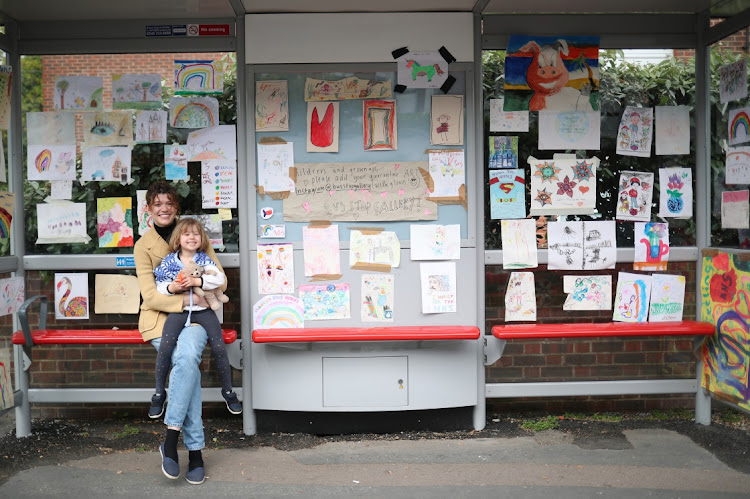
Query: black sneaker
x=234, y=405
x=157, y=405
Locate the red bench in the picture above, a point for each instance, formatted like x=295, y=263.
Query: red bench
x=390, y=333
x=26, y=339
x=502, y=333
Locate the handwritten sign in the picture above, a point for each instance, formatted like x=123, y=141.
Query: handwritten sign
x=359, y=192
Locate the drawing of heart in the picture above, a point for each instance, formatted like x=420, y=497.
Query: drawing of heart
x=306, y=206
x=400, y=192
x=396, y=167
x=580, y=203
x=351, y=193
x=383, y=194
x=330, y=193
x=583, y=189
x=427, y=212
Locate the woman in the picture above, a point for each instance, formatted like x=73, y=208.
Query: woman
x=184, y=404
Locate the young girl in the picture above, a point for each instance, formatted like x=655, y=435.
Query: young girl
x=189, y=241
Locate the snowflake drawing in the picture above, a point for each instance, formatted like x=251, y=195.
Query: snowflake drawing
x=543, y=196
x=547, y=172
x=566, y=187
x=583, y=171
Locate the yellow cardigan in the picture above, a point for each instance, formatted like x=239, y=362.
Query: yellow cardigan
x=149, y=251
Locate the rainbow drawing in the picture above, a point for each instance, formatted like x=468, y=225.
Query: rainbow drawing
x=739, y=126
x=199, y=112
x=198, y=77
x=5, y=219
x=43, y=160
x=278, y=311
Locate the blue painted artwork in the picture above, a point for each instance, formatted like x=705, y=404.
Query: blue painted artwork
x=503, y=152
x=507, y=194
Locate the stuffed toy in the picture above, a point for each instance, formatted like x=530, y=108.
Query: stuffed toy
x=214, y=296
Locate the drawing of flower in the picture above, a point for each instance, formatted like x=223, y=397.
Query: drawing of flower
x=566, y=187
x=583, y=171
x=675, y=185
x=543, y=196
x=547, y=171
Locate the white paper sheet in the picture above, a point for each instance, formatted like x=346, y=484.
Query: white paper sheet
x=382, y=248
x=378, y=298
x=422, y=70
x=438, y=284
x=582, y=245
x=632, y=297
x=219, y=183
x=651, y=242
x=588, y=292
x=216, y=142
x=61, y=222
x=737, y=166
x=51, y=162
x=519, y=244
x=274, y=162
x=672, y=130
x=635, y=132
x=733, y=81
x=734, y=210
x=520, y=297
x=569, y=130
x=435, y=242
x=448, y=172
x=636, y=189
x=675, y=192
x=106, y=163
x=738, y=126
x=667, y=298
x=71, y=296
x=321, y=250
x=562, y=186
x=507, y=121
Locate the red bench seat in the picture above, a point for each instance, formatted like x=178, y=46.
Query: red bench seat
x=601, y=330
x=394, y=333
x=94, y=336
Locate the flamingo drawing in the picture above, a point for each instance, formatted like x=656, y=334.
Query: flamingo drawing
x=76, y=307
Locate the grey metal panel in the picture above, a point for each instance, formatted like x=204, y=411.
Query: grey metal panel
x=624, y=255
x=107, y=395
x=8, y=264
x=376, y=381
x=591, y=388
x=101, y=262
x=616, y=31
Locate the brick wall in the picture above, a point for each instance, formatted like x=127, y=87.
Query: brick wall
x=586, y=359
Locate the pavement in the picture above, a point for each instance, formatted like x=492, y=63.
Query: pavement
x=653, y=463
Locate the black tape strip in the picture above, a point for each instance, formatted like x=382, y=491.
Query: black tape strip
x=446, y=55
x=399, y=52
x=448, y=84
x=399, y=89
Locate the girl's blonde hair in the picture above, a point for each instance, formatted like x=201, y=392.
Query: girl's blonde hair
x=183, y=226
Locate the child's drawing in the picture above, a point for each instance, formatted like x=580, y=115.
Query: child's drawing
x=271, y=106
x=503, y=152
x=738, y=124
x=218, y=184
x=563, y=186
x=651, y=241
x=50, y=162
x=507, y=121
x=111, y=128
x=274, y=162
x=520, y=297
x=635, y=132
x=78, y=93
x=114, y=217
x=734, y=210
x=438, y=287
x=519, y=244
x=377, y=298
x=507, y=194
x=422, y=70
x=216, y=142
x=111, y=164
x=448, y=172
x=374, y=247
x=667, y=298
x=582, y=245
x=320, y=249
x=6, y=73
x=447, y=120
x=275, y=268
x=278, y=311
x=116, y=294
x=145, y=220
x=733, y=81
x=569, y=130
x=323, y=127
x=71, y=296
x=54, y=128
x=325, y=301
x=6, y=384
x=588, y=292
x=150, y=127
x=675, y=192
x=380, y=126
x=7, y=207
x=632, y=297
x=175, y=162
x=12, y=295
x=61, y=222
x=737, y=166
x=636, y=190
x=193, y=112
x=198, y=77
x=672, y=130
x=552, y=72
x=346, y=88
x=435, y=242
x=136, y=91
